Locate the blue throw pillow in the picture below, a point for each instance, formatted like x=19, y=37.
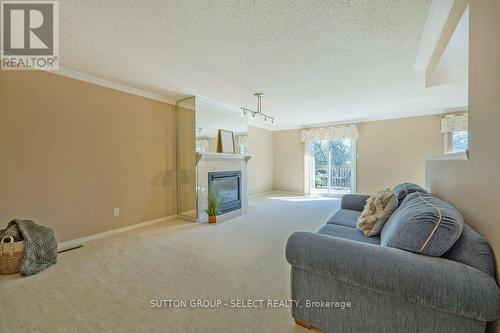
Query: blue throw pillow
x=402, y=190
x=423, y=224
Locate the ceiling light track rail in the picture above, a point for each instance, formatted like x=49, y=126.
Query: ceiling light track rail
x=253, y=114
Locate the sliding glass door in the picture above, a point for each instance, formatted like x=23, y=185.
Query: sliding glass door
x=332, y=166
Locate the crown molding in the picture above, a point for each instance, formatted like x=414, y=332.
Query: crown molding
x=72, y=74
x=435, y=112
x=219, y=104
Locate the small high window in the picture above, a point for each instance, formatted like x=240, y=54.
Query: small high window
x=459, y=141
x=456, y=134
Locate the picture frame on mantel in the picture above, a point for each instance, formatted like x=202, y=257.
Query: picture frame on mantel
x=225, y=142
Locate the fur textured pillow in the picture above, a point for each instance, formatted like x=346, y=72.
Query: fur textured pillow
x=377, y=211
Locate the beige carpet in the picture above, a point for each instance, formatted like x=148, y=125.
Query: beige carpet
x=107, y=285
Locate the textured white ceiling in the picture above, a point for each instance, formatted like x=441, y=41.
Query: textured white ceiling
x=316, y=61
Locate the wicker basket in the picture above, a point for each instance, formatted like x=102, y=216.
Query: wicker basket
x=11, y=254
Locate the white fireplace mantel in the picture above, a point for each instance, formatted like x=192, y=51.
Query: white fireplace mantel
x=221, y=156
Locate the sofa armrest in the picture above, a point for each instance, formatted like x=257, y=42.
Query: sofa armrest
x=435, y=282
x=354, y=201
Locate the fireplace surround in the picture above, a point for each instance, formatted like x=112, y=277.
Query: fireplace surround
x=222, y=172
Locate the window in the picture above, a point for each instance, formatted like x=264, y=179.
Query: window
x=244, y=149
x=202, y=145
x=331, y=168
x=330, y=159
x=456, y=142
x=459, y=141
x=241, y=144
x=456, y=134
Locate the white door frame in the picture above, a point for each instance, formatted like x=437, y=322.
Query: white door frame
x=354, y=160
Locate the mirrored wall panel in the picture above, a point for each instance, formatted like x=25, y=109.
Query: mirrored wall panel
x=186, y=158
x=212, y=117
x=198, y=123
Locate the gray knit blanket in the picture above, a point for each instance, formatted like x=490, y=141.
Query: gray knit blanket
x=40, y=246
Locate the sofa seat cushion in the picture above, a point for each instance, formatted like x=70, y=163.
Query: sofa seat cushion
x=423, y=224
x=339, y=231
x=345, y=217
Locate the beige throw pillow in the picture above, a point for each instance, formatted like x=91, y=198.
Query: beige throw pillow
x=377, y=211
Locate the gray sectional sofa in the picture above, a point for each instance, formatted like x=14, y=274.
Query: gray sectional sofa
x=346, y=282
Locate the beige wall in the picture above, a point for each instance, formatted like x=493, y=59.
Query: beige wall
x=389, y=152
x=288, y=161
x=394, y=151
x=260, y=167
x=71, y=151
x=473, y=185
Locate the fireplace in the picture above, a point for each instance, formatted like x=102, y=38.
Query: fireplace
x=227, y=185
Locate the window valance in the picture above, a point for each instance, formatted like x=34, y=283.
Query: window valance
x=454, y=122
x=330, y=133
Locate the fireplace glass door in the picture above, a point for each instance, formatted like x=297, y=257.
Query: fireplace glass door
x=227, y=186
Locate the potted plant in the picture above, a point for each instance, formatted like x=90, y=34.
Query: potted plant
x=213, y=208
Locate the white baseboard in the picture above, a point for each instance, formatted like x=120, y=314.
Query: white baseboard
x=80, y=241
x=277, y=192
x=290, y=193
x=259, y=194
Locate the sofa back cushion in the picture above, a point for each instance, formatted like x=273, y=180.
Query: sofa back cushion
x=423, y=224
x=402, y=190
x=473, y=250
